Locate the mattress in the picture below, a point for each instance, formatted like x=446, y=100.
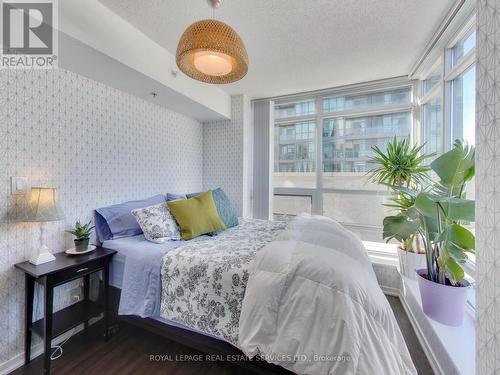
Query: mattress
x=135, y=269
x=138, y=248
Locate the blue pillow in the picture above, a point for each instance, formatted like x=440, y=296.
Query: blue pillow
x=117, y=221
x=223, y=205
x=175, y=197
x=191, y=195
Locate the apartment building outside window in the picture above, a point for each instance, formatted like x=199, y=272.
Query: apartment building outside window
x=336, y=131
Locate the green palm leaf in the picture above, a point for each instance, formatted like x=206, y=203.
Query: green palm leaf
x=400, y=164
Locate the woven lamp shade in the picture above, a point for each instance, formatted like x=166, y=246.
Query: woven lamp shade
x=211, y=51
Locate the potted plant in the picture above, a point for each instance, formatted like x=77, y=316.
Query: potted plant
x=82, y=235
x=439, y=214
x=401, y=166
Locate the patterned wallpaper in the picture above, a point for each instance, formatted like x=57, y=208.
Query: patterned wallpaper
x=487, y=192
x=98, y=146
x=227, y=150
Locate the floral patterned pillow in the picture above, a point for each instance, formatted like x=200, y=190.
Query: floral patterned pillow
x=157, y=223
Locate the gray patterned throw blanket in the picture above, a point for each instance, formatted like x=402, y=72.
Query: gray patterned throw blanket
x=204, y=282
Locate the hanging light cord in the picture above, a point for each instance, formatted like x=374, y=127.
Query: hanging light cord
x=214, y=4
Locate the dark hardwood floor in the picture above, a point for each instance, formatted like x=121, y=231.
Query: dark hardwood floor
x=130, y=349
x=417, y=354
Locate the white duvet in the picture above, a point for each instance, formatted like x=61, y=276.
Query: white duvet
x=313, y=305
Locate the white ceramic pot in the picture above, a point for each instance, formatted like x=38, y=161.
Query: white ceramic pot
x=409, y=262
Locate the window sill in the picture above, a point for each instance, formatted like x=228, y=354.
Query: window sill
x=382, y=253
x=444, y=345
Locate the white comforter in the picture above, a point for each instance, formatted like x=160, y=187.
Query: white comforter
x=313, y=305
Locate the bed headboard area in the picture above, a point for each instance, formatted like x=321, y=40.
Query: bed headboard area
x=117, y=221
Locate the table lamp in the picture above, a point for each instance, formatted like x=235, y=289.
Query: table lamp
x=42, y=207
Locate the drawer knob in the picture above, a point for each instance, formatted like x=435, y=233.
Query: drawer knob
x=82, y=269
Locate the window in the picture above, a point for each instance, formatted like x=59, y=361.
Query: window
x=448, y=105
x=431, y=97
x=463, y=47
x=366, y=101
x=302, y=108
x=463, y=121
x=350, y=208
x=431, y=128
x=463, y=106
x=296, y=145
x=460, y=89
x=347, y=142
x=291, y=205
x=448, y=108
x=339, y=136
x=431, y=82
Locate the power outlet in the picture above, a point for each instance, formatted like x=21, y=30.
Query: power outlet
x=18, y=185
x=75, y=294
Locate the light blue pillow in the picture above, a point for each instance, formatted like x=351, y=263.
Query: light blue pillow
x=117, y=221
x=175, y=197
x=223, y=205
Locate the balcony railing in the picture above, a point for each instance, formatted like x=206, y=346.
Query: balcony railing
x=346, y=155
x=293, y=137
x=397, y=130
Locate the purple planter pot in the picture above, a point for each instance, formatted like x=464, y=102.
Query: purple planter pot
x=443, y=303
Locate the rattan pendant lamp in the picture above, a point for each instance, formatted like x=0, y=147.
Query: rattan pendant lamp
x=211, y=51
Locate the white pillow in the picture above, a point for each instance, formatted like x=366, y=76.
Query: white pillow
x=157, y=223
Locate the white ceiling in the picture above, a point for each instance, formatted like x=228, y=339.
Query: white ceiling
x=302, y=45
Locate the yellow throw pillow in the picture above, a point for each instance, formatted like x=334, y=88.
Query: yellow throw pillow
x=196, y=216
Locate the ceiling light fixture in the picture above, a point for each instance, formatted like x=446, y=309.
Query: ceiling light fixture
x=211, y=51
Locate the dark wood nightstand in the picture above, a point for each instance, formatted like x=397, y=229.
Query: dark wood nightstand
x=63, y=269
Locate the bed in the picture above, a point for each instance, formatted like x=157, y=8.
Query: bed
x=135, y=270
x=301, y=295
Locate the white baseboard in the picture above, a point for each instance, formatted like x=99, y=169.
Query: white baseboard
x=18, y=360
x=390, y=291
x=12, y=364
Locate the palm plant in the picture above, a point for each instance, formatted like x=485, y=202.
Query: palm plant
x=400, y=166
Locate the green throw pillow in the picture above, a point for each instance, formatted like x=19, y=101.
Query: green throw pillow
x=196, y=216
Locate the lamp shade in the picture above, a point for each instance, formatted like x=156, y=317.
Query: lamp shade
x=42, y=206
x=211, y=51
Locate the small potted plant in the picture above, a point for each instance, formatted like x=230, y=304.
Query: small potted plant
x=401, y=167
x=82, y=235
x=440, y=214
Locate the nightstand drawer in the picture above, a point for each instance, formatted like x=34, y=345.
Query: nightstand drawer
x=79, y=271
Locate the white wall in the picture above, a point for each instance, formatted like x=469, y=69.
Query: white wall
x=227, y=155
x=93, y=24
x=98, y=146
